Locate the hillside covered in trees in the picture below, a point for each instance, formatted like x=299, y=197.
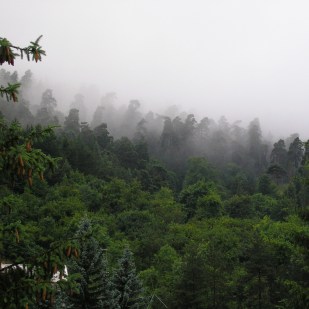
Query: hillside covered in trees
x=147, y=210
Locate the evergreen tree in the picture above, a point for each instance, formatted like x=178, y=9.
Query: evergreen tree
x=125, y=152
x=97, y=116
x=46, y=113
x=202, y=129
x=190, y=290
x=48, y=101
x=295, y=155
x=277, y=173
x=265, y=186
x=94, y=285
x=127, y=283
x=79, y=104
x=279, y=154
x=109, y=298
x=71, y=123
x=167, y=135
x=306, y=153
x=257, y=151
x=191, y=194
x=61, y=301
x=102, y=136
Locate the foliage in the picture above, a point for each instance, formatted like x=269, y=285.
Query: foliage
x=211, y=222
x=19, y=160
x=94, y=290
x=8, y=55
x=127, y=283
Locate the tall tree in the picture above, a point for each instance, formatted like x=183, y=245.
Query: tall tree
x=279, y=154
x=256, y=149
x=46, y=113
x=306, y=153
x=190, y=290
x=191, y=194
x=79, y=103
x=126, y=282
x=102, y=135
x=95, y=289
x=295, y=155
x=71, y=123
x=167, y=136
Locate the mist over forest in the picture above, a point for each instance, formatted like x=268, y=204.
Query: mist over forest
x=176, y=131
x=154, y=154
x=141, y=179
x=214, y=58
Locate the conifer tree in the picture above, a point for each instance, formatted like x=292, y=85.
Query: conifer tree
x=94, y=284
x=127, y=283
x=279, y=154
x=71, y=123
x=295, y=155
x=109, y=298
x=61, y=301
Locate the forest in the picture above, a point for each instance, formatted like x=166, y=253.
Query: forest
x=147, y=210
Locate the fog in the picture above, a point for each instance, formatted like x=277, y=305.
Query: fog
x=242, y=59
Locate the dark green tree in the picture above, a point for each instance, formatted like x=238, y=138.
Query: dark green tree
x=95, y=289
x=256, y=149
x=102, y=136
x=126, y=153
x=127, y=284
x=209, y=206
x=109, y=298
x=190, y=196
x=167, y=135
x=199, y=169
x=277, y=173
x=295, y=155
x=265, y=185
x=239, y=206
x=18, y=159
x=71, y=123
x=306, y=153
x=260, y=274
x=279, y=154
x=192, y=282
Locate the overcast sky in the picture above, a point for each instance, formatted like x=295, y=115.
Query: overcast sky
x=238, y=58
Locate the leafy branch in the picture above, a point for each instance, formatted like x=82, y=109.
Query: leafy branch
x=8, y=54
x=17, y=157
x=11, y=92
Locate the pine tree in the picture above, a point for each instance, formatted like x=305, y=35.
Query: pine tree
x=61, y=301
x=94, y=284
x=295, y=155
x=127, y=283
x=71, y=123
x=279, y=154
x=109, y=298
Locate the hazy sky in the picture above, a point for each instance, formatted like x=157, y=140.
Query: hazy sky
x=238, y=58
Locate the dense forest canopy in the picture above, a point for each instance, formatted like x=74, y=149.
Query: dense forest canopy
x=146, y=210
x=152, y=160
